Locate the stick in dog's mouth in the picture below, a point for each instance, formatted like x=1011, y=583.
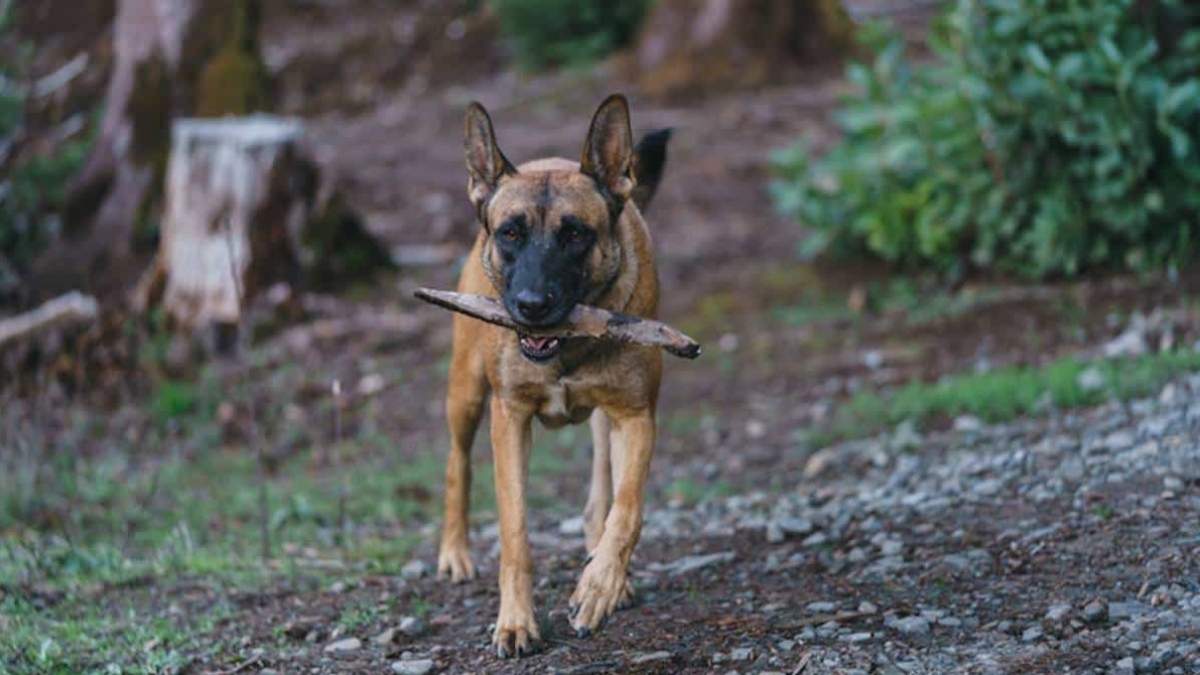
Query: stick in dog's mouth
x=584, y=321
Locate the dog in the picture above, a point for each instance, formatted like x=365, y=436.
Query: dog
x=555, y=233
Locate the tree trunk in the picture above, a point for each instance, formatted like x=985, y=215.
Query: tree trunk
x=690, y=46
x=170, y=58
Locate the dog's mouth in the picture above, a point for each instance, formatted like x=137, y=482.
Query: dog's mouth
x=539, y=348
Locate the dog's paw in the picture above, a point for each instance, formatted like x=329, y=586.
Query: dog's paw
x=454, y=563
x=516, y=635
x=603, y=588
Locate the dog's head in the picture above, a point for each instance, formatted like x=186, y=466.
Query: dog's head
x=552, y=230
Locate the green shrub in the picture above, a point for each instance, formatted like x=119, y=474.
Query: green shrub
x=546, y=33
x=1048, y=137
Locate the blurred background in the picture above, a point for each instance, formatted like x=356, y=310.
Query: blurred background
x=880, y=217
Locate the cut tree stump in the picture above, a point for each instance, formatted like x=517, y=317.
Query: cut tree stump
x=584, y=321
x=245, y=209
x=230, y=208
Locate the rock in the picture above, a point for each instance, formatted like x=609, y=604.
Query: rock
x=741, y=654
x=891, y=547
x=1032, y=634
x=1123, y=667
x=571, y=526
x=692, y=563
x=344, y=645
x=775, y=534
x=909, y=625
x=821, y=607
x=413, y=667
x=867, y=607
x=415, y=569
x=1095, y=611
x=855, y=638
x=412, y=626
x=1120, y=611
x=650, y=657
x=1091, y=379
x=906, y=437
x=387, y=637
x=967, y=424
x=1057, y=613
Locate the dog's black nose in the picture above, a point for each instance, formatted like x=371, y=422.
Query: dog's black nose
x=534, y=306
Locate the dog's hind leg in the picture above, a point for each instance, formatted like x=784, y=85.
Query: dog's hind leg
x=600, y=491
x=464, y=407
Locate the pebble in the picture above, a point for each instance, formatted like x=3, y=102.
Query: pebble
x=1095, y=611
x=413, y=667
x=1032, y=634
x=414, y=569
x=387, y=637
x=1057, y=613
x=412, y=626
x=741, y=654
x=650, y=657
x=344, y=645
x=1119, y=611
x=910, y=625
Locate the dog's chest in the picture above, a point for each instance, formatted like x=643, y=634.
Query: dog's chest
x=558, y=406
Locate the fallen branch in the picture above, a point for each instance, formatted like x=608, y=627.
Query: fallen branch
x=74, y=307
x=584, y=321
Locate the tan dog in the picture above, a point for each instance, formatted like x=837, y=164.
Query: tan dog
x=556, y=233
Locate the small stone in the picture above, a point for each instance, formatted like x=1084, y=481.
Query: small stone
x=967, y=424
x=867, y=607
x=1095, y=611
x=346, y=645
x=650, y=657
x=412, y=626
x=1032, y=634
x=571, y=526
x=856, y=637
x=1119, y=611
x=415, y=569
x=1124, y=667
x=775, y=534
x=1057, y=613
x=891, y=547
x=387, y=637
x=338, y=587
x=787, y=645
x=821, y=607
x=795, y=526
x=413, y=667
x=910, y=625
x=741, y=654
x=1091, y=379
x=1172, y=483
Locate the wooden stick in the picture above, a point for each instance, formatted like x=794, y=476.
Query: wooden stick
x=584, y=321
x=72, y=308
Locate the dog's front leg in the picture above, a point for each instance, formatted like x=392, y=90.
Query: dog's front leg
x=516, y=628
x=604, y=585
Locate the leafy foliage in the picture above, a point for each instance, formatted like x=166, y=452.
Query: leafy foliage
x=34, y=187
x=1048, y=138
x=546, y=33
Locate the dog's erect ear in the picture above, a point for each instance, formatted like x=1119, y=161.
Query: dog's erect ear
x=485, y=163
x=608, y=150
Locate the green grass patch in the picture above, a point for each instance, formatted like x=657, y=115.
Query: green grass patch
x=1004, y=394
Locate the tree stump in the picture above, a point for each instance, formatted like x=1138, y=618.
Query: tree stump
x=231, y=205
x=245, y=209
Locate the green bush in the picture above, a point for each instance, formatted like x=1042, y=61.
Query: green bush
x=546, y=33
x=1047, y=138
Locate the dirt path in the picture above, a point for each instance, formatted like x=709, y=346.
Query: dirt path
x=1063, y=545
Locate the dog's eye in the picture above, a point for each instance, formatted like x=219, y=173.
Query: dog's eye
x=511, y=234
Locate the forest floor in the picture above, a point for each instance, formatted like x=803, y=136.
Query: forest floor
x=1028, y=506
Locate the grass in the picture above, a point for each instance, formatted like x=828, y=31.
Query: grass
x=1004, y=394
